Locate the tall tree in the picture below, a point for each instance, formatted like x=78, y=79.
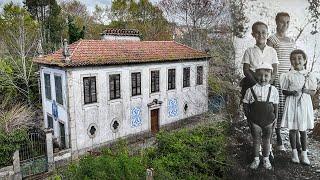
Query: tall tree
x=75, y=33
x=141, y=15
x=196, y=17
x=18, y=33
x=48, y=14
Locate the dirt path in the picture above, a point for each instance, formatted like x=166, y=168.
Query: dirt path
x=241, y=154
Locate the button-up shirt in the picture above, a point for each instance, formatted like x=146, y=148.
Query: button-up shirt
x=255, y=56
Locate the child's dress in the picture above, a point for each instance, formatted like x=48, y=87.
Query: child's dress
x=283, y=52
x=298, y=115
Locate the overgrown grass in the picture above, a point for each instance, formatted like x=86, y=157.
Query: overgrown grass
x=199, y=153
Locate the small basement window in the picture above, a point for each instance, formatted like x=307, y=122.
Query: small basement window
x=115, y=125
x=185, y=107
x=92, y=130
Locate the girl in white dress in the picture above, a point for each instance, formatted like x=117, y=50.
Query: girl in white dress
x=299, y=85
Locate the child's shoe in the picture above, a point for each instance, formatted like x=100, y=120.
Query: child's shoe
x=266, y=163
x=255, y=163
x=304, y=158
x=281, y=148
x=295, y=157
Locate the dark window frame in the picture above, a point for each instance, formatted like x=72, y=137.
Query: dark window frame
x=186, y=77
x=47, y=85
x=171, y=79
x=136, y=83
x=114, y=86
x=49, y=124
x=58, y=89
x=199, y=75
x=91, y=95
x=155, y=81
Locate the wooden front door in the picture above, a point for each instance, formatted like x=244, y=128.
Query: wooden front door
x=154, y=120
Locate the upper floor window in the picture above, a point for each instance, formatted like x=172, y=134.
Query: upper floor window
x=155, y=77
x=47, y=85
x=136, y=83
x=171, y=79
x=58, y=87
x=114, y=84
x=90, y=92
x=186, y=77
x=199, y=75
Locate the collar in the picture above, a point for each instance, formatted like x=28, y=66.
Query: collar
x=267, y=85
x=255, y=46
x=299, y=72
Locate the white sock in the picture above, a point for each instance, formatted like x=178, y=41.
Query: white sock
x=256, y=158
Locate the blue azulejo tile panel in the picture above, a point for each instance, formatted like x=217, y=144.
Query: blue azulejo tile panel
x=136, y=119
x=172, y=107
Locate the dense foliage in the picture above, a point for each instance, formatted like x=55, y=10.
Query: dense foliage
x=9, y=143
x=195, y=154
x=186, y=154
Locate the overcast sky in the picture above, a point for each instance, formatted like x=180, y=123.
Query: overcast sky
x=89, y=3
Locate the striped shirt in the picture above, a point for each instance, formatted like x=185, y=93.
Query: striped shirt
x=283, y=49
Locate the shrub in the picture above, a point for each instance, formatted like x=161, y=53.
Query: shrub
x=190, y=154
x=112, y=164
x=9, y=143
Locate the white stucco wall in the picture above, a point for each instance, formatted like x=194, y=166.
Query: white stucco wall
x=47, y=104
x=104, y=111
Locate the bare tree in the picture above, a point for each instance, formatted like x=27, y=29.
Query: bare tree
x=196, y=17
x=19, y=34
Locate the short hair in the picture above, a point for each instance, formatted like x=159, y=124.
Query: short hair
x=254, y=26
x=279, y=14
x=299, y=51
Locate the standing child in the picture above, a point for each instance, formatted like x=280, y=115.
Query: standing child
x=284, y=45
x=258, y=54
x=298, y=84
x=261, y=106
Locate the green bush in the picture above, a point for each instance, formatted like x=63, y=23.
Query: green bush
x=112, y=164
x=199, y=153
x=9, y=143
x=190, y=154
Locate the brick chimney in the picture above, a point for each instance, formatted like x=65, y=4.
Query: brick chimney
x=120, y=35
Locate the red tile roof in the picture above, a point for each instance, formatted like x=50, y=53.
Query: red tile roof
x=100, y=52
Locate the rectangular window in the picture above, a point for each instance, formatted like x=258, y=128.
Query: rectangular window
x=171, y=79
x=186, y=77
x=114, y=84
x=50, y=121
x=136, y=83
x=199, y=75
x=47, y=85
x=62, y=135
x=155, y=85
x=58, y=87
x=89, y=87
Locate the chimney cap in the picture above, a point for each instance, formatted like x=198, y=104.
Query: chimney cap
x=65, y=51
x=121, y=32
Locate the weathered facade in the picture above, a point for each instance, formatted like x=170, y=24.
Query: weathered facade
x=96, y=91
